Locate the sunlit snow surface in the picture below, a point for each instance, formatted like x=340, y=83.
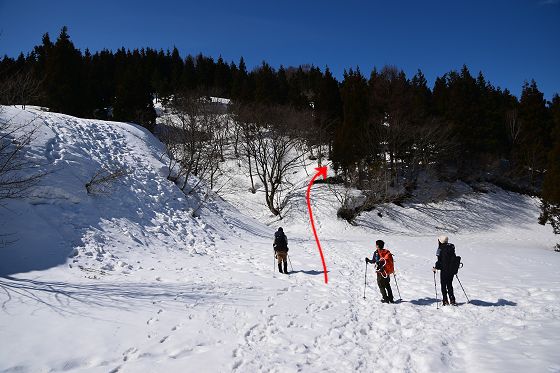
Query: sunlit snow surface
x=128, y=281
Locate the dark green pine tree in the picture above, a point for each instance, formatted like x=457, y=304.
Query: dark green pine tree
x=420, y=98
x=133, y=98
x=550, y=208
x=205, y=69
x=89, y=101
x=350, y=147
x=64, y=76
x=40, y=66
x=535, y=129
x=222, y=78
x=283, y=86
x=176, y=70
x=328, y=107
x=266, y=85
x=240, y=85
x=189, y=80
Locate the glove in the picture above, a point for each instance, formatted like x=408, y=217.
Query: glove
x=434, y=269
x=369, y=261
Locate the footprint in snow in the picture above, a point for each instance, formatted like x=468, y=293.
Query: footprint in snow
x=129, y=353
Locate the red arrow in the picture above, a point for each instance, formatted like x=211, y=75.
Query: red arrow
x=321, y=171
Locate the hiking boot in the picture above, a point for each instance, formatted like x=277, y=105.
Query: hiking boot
x=280, y=268
x=286, y=268
x=452, y=301
x=384, y=301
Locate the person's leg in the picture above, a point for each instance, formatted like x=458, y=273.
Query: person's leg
x=450, y=289
x=381, y=282
x=283, y=259
x=279, y=257
x=443, y=282
x=389, y=290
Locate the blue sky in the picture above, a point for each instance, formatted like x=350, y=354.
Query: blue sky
x=510, y=41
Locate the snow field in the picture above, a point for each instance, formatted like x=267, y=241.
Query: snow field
x=129, y=281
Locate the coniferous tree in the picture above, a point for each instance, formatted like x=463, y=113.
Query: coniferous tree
x=350, y=145
x=133, y=99
x=328, y=107
x=266, y=87
x=176, y=70
x=535, y=140
x=63, y=76
x=550, y=208
x=240, y=85
x=189, y=80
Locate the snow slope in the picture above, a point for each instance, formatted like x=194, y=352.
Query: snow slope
x=129, y=281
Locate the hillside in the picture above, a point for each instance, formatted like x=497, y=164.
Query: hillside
x=127, y=280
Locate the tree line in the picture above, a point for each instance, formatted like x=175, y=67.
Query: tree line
x=382, y=132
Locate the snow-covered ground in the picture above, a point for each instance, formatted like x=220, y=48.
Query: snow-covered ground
x=129, y=281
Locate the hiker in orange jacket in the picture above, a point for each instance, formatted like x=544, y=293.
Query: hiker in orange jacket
x=383, y=278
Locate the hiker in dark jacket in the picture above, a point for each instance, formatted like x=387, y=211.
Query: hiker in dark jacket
x=445, y=257
x=281, y=249
x=383, y=280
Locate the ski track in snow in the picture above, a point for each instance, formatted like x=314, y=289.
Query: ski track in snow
x=149, y=288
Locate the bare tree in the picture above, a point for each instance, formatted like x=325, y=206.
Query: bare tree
x=195, y=137
x=21, y=88
x=103, y=179
x=18, y=172
x=433, y=142
x=513, y=126
x=272, y=143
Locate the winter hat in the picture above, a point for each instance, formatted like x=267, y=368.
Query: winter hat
x=379, y=244
x=280, y=229
x=443, y=239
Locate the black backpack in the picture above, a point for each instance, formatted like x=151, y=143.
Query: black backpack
x=455, y=265
x=280, y=242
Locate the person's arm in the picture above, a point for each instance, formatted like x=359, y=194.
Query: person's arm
x=437, y=265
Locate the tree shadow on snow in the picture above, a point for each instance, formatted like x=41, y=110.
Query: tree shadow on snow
x=499, y=303
x=65, y=297
x=473, y=211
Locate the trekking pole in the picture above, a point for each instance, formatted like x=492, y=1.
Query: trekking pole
x=365, y=282
x=274, y=261
x=468, y=301
x=290, y=260
x=435, y=288
x=396, y=283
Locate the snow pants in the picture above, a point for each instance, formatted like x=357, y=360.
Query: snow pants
x=446, y=280
x=282, y=256
x=385, y=287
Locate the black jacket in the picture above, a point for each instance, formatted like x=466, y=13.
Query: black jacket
x=280, y=241
x=445, y=255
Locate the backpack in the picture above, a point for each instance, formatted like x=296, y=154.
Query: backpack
x=280, y=242
x=388, y=264
x=455, y=265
